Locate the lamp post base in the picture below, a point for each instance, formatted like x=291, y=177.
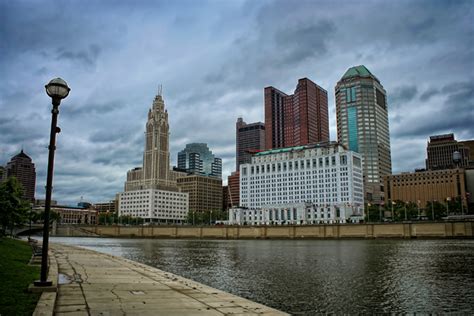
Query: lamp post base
x=42, y=283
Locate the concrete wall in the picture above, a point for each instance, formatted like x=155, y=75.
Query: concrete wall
x=391, y=230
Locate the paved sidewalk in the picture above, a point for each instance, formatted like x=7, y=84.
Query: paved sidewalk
x=101, y=284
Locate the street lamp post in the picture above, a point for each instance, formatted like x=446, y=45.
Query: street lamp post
x=57, y=89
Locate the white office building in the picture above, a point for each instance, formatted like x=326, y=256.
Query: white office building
x=319, y=183
x=157, y=206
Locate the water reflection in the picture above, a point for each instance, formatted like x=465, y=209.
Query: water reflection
x=317, y=276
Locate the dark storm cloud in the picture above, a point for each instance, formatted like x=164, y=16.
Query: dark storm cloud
x=214, y=59
x=455, y=114
x=403, y=94
x=428, y=94
x=86, y=56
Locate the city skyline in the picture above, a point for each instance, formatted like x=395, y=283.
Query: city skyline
x=225, y=53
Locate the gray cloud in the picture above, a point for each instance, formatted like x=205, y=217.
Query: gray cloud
x=86, y=56
x=402, y=95
x=214, y=61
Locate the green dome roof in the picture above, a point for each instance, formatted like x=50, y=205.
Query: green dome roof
x=358, y=71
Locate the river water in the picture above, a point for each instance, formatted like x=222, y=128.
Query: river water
x=317, y=276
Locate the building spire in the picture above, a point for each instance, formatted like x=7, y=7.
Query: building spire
x=160, y=90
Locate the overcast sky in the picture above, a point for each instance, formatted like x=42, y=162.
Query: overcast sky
x=213, y=59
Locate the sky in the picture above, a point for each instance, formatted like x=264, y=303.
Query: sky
x=213, y=59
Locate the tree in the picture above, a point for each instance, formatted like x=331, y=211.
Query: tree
x=435, y=208
x=13, y=208
x=373, y=213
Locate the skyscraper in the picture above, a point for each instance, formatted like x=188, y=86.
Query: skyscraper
x=151, y=191
x=362, y=126
x=297, y=119
x=249, y=137
x=22, y=168
x=440, y=151
x=155, y=172
x=197, y=158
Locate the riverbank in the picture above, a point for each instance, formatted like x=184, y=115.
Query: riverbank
x=16, y=276
x=459, y=229
x=93, y=283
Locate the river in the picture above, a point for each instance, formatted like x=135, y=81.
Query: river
x=305, y=277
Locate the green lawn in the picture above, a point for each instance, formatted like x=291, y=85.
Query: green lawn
x=15, y=276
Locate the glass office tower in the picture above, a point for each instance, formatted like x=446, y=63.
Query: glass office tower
x=362, y=126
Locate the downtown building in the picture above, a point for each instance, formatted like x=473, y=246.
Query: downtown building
x=297, y=119
x=249, y=139
x=423, y=186
x=311, y=184
x=197, y=158
x=440, y=150
x=362, y=126
x=205, y=192
x=23, y=169
x=151, y=191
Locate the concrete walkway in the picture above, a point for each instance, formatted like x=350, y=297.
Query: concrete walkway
x=93, y=283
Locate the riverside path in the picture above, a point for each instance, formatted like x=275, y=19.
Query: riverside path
x=92, y=283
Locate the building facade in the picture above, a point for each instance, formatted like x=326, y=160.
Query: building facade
x=362, y=126
x=250, y=138
x=197, y=158
x=155, y=173
x=22, y=167
x=151, y=191
x=323, y=180
x=297, y=119
x=155, y=206
x=233, y=183
x=440, y=149
x=205, y=193
x=422, y=187
x=109, y=206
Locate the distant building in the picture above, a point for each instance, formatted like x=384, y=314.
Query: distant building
x=197, y=158
x=205, y=193
x=440, y=149
x=109, y=206
x=362, y=126
x=233, y=184
x=151, y=191
x=225, y=198
x=297, y=119
x=22, y=168
x=71, y=215
x=155, y=206
x=155, y=173
x=249, y=138
x=426, y=186
x=319, y=183
x=470, y=145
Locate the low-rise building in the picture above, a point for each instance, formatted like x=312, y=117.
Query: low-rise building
x=157, y=206
x=427, y=185
x=109, y=206
x=205, y=193
x=71, y=215
x=318, y=183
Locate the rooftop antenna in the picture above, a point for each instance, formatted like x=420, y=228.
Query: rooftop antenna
x=160, y=90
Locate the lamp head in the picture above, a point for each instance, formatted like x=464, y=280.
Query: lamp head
x=57, y=89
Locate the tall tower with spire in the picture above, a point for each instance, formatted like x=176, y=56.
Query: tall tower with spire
x=155, y=172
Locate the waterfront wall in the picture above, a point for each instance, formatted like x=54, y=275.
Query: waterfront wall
x=379, y=230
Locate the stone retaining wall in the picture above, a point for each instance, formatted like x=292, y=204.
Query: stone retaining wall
x=379, y=230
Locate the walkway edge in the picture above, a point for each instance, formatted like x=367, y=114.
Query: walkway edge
x=47, y=300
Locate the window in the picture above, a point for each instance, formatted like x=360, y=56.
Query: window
x=351, y=94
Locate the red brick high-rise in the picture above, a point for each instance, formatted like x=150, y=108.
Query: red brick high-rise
x=22, y=167
x=297, y=119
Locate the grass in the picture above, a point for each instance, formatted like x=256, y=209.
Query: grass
x=15, y=276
